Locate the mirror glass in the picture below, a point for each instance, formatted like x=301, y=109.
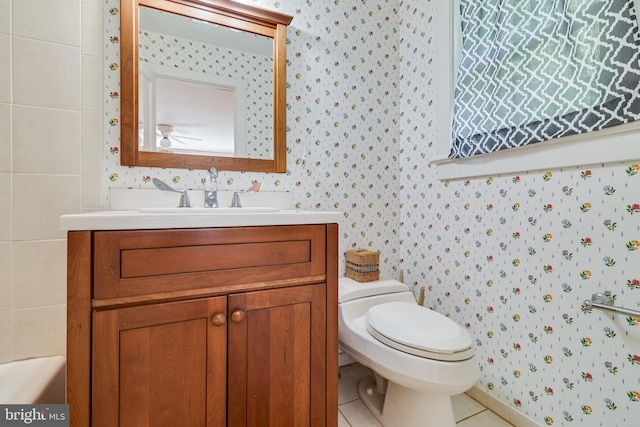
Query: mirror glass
x=204, y=88
x=205, y=85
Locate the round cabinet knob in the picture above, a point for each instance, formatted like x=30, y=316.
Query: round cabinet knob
x=218, y=319
x=237, y=316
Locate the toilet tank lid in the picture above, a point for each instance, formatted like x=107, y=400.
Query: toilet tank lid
x=349, y=289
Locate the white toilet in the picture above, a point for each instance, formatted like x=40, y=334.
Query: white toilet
x=420, y=358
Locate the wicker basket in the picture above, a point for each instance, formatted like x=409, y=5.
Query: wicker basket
x=363, y=265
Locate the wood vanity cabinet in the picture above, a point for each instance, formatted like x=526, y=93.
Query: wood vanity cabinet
x=203, y=327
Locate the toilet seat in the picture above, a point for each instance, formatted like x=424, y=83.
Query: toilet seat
x=419, y=331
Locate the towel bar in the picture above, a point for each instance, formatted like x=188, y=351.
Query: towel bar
x=604, y=302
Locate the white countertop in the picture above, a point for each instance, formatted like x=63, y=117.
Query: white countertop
x=134, y=220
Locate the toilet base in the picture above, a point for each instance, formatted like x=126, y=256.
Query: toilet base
x=403, y=407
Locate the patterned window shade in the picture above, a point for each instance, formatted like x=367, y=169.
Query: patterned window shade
x=533, y=70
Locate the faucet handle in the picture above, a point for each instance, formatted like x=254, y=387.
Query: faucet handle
x=235, y=200
x=184, y=200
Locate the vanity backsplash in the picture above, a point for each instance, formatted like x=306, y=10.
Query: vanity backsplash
x=130, y=199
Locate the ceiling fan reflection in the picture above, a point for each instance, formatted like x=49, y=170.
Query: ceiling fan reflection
x=166, y=132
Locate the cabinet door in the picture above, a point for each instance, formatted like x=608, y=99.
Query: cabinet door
x=160, y=365
x=277, y=357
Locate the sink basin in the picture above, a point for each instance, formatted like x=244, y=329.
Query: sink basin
x=212, y=211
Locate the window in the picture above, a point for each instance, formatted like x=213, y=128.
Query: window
x=587, y=93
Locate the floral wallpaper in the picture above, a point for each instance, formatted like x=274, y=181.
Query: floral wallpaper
x=511, y=257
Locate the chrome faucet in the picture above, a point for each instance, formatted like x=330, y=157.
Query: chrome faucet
x=184, y=199
x=235, y=200
x=211, y=189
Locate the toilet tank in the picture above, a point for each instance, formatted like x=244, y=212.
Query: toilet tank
x=349, y=289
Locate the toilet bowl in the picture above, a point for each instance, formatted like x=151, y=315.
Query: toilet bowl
x=419, y=358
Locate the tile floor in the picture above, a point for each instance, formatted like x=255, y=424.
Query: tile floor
x=353, y=413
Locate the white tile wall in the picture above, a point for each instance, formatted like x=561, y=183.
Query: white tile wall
x=5, y=16
x=6, y=290
x=38, y=202
x=92, y=67
x=92, y=103
x=6, y=332
x=92, y=19
x=50, y=154
x=46, y=74
x=51, y=147
x=5, y=137
x=39, y=332
x=5, y=68
x=92, y=161
x=93, y=3
x=42, y=286
x=53, y=21
x=5, y=207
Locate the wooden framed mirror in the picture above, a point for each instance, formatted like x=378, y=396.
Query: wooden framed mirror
x=203, y=83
